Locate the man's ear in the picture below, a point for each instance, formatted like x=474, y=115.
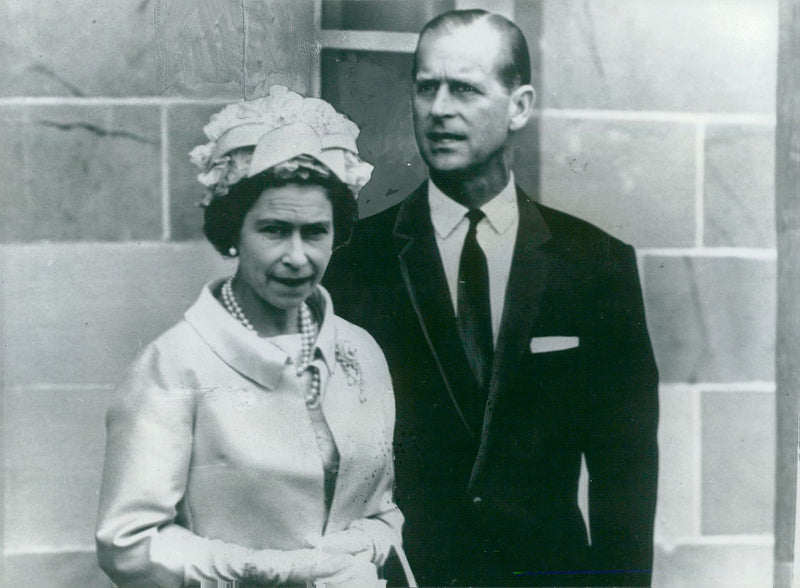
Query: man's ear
x=520, y=106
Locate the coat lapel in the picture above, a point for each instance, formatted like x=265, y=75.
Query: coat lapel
x=526, y=283
x=425, y=281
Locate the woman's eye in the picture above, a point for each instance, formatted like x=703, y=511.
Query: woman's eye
x=315, y=232
x=274, y=230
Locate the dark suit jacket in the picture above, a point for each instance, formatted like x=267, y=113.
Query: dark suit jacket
x=489, y=486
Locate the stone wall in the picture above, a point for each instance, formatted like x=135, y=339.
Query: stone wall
x=656, y=123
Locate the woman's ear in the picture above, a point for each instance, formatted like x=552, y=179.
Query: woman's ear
x=521, y=106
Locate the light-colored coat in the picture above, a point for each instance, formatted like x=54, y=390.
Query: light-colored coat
x=211, y=453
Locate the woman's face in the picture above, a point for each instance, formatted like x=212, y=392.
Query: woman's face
x=285, y=244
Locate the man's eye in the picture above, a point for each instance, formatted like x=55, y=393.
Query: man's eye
x=463, y=89
x=426, y=87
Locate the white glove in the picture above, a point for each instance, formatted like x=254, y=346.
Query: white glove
x=360, y=574
x=354, y=540
x=297, y=567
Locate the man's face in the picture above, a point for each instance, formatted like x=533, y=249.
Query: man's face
x=461, y=107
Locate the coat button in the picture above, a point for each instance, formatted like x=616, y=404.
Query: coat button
x=476, y=499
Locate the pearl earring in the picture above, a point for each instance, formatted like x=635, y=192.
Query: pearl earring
x=233, y=252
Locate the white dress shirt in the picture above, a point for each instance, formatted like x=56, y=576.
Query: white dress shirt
x=496, y=234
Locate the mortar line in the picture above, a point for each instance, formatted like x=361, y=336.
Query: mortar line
x=587, y=114
x=112, y=101
x=41, y=550
x=745, y=386
x=699, y=183
x=731, y=539
x=166, y=220
x=315, y=83
x=767, y=254
x=741, y=118
x=697, y=462
x=60, y=387
x=244, y=50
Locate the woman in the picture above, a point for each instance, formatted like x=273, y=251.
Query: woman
x=252, y=441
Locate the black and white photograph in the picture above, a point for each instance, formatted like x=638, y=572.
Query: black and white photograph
x=399, y=293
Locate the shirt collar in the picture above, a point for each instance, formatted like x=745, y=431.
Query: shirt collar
x=253, y=356
x=501, y=211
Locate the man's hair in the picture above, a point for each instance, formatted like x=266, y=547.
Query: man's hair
x=514, y=68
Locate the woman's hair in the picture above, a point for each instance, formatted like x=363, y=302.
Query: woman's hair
x=224, y=216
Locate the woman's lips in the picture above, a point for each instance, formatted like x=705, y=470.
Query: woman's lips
x=292, y=282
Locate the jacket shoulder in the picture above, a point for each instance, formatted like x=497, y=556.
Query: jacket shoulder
x=166, y=359
x=378, y=227
x=368, y=254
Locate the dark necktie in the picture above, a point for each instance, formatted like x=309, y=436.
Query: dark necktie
x=474, y=310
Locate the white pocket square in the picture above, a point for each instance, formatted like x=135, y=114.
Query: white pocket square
x=547, y=344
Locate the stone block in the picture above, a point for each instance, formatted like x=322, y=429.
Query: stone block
x=738, y=462
x=79, y=313
x=280, y=46
x=678, y=500
x=374, y=90
x=185, y=124
x=633, y=179
x=739, y=191
x=711, y=319
x=712, y=565
x=200, y=48
x=54, y=430
x=50, y=509
x=80, y=173
x=91, y=48
x=64, y=569
x=715, y=56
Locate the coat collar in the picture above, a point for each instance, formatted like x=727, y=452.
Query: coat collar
x=426, y=285
x=255, y=357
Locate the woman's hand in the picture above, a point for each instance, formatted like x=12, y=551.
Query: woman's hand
x=296, y=567
x=354, y=541
x=361, y=573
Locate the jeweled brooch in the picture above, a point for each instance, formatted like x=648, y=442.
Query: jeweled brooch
x=353, y=374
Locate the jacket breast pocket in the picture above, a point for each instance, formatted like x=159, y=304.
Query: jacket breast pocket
x=558, y=365
x=552, y=344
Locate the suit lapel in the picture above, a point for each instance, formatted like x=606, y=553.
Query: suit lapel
x=425, y=281
x=526, y=283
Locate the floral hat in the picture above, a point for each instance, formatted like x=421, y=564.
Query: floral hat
x=282, y=132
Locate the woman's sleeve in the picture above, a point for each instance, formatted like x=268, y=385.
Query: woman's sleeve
x=384, y=527
x=148, y=452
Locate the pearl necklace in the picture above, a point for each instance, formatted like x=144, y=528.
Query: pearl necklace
x=232, y=305
x=308, y=334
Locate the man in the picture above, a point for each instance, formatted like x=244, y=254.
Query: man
x=517, y=342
